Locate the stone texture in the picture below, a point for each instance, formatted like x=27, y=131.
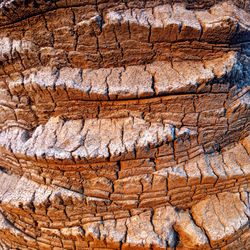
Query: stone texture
x=124, y=124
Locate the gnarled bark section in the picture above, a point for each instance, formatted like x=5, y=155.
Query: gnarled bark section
x=124, y=124
x=122, y=37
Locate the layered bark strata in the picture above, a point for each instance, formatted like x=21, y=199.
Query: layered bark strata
x=124, y=125
x=122, y=37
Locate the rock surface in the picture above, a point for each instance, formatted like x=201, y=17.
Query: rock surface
x=124, y=124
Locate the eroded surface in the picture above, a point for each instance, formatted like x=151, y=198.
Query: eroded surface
x=124, y=125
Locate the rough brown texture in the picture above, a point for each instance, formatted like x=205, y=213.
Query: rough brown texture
x=124, y=124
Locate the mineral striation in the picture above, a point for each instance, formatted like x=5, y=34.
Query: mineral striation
x=124, y=124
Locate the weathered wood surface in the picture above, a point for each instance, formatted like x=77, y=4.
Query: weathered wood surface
x=124, y=124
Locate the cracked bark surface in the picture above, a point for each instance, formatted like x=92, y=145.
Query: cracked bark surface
x=124, y=124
